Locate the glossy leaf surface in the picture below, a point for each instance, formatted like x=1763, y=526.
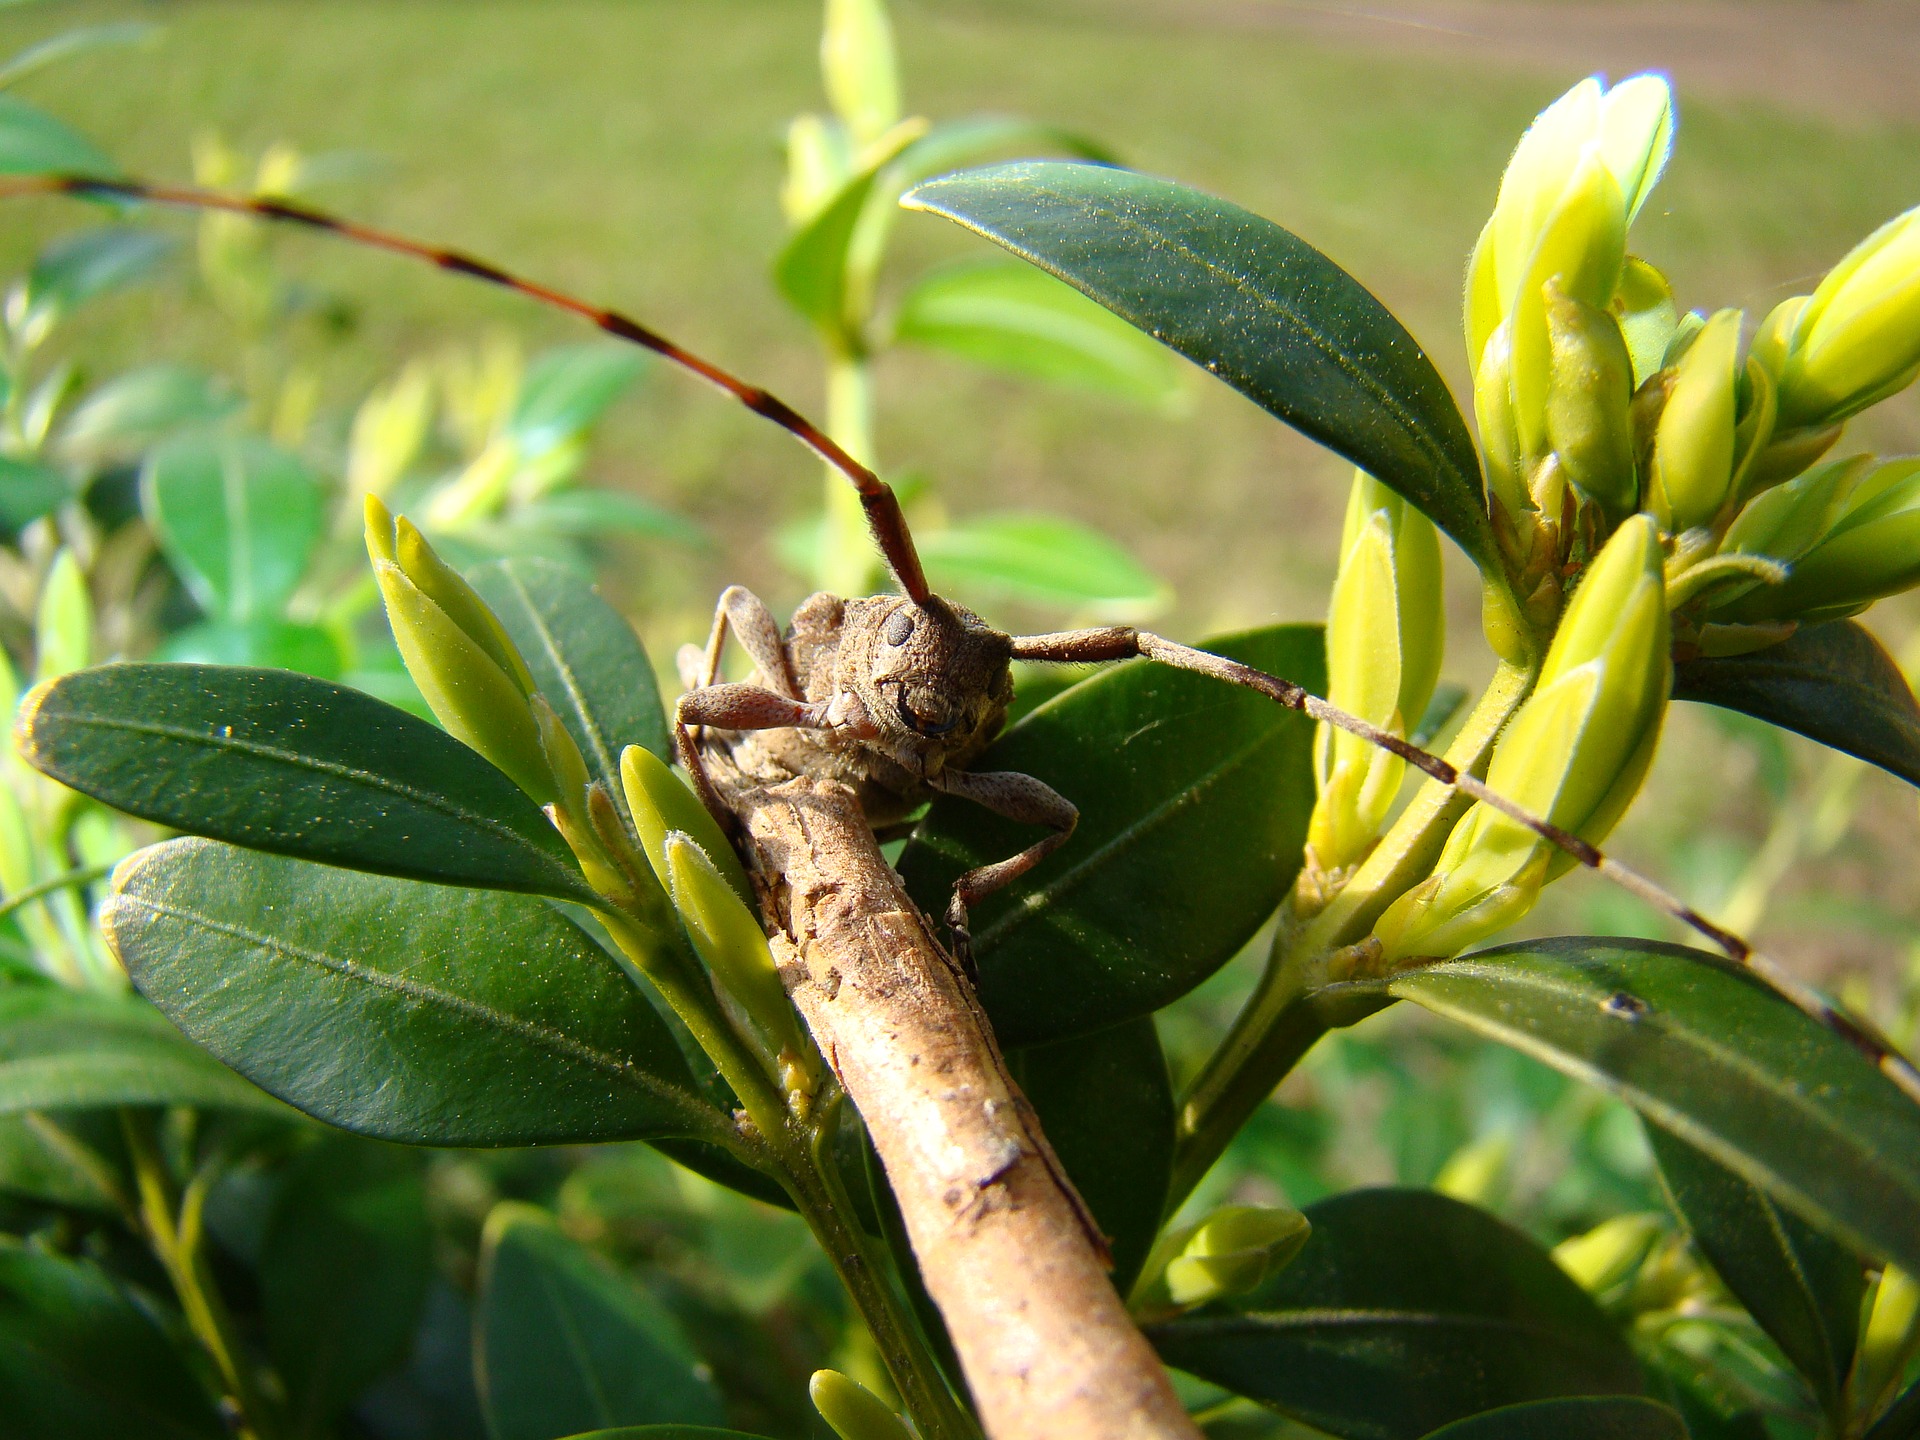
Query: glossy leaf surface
x=1249, y=302
x=1015, y=318
x=1832, y=683
x=80, y=1361
x=1405, y=1311
x=563, y=1344
x=585, y=658
x=343, y=1272
x=420, y=1013
x=1612, y=1417
x=1709, y=1053
x=1105, y=1101
x=1042, y=559
x=64, y=1050
x=1193, y=801
x=293, y=764
x=1802, y=1288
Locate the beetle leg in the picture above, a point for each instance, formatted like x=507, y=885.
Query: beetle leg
x=747, y=615
x=1018, y=797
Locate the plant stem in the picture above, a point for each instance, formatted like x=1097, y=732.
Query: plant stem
x=1286, y=1013
x=846, y=563
x=174, y=1233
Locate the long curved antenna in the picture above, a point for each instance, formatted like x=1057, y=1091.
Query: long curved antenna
x=882, y=507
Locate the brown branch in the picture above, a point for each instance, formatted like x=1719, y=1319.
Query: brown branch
x=1005, y=1245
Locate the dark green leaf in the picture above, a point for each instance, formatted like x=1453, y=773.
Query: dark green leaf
x=1193, y=802
x=585, y=658
x=76, y=268
x=33, y=142
x=1016, y=318
x=343, y=1273
x=265, y=641
x=566, y=390
x=1801, y=1288
x=1832, y=683
x=1251, y=303
x=79, y=1360
x=564, y=1345
x=420, y=1013
x=1405, y=1311
x=237, y=516
x=42, y=1157
x=29, y=490
x=1901, y=1420
x=289, y=763
x=1106, y=1103
x=64, y=1049
x=1042, y=559
x=145, y=405
x=1706, y=1051
x=1592, y=1417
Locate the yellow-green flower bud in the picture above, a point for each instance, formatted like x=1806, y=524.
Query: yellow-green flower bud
x=1575, y=754
x=1499, y=439
x=63, y=622
x=819, y=161
x=728, y=938
x=661, y=802
x=853, y=1411
x=1588, y=398
x=388, y=431
x=1386, y=630
x=1889, y=1341
x=468, y=671
x=1693, y=448
x=1228, y=1253
x=1611, y=1252
x=1869, y=548
x=563, y=757
x=1647, y=314
x=1857, y=338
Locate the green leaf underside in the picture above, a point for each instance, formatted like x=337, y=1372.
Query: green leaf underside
x=1193, y=801
x=79, y=1360
x=1016, y=318
x=67, y=1050
x=563, y=1343
x=343, y=1272
x=1405, y=1311
x=1832, y=683
x=1708, y=1052
x=1249, y=302
x=1105, y=1101
x=296, y=765
x=585, y=659
x=420, y=1013
x=1593, y=1417
x=1802, y=1288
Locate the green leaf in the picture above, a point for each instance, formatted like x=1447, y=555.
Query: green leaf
x=1405, y=1311
x=1044, y=560
x=950, y=144
x=1901, y=1420
x=64, y=1049
x=76, y=268
x=32, y=142
x=1193, y=801
x=69, y=43
x=566, y=390
x=563, y=1344
x=133, y=410
x=1801, y=1288
x=1832, y=683
x=296, y=765
x=343, y=1269
x=1251, y=303
x=237, y=516
x=42, y=1157
x=1105, y=1101
x=585, y=658
x=1019, y=319
x=594, y=514
x=1593, y=1417
x=420, y=1013
x=265, y=641
x=79, y=1360
x=811, y=269
x=29, y=490
x=1708, y=1052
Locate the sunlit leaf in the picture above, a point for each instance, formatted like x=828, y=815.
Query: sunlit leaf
x=76, y=268
x=29, y=490
x=596, y=514
x=1044, y=560
x=33, y=142
x=566, y=390
x=133, y=410
x=264, y=641
x=68, y=43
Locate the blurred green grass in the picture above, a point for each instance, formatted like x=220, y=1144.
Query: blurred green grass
x=629, y=149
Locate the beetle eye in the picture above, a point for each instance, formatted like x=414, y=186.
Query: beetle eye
x=926, y=713
x=899, y=627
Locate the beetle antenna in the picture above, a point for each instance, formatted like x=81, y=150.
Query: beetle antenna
x=884, y=518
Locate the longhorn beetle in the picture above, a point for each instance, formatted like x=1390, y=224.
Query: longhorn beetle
x=897, y=694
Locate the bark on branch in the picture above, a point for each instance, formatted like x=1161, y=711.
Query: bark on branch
x=1004, y=1243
